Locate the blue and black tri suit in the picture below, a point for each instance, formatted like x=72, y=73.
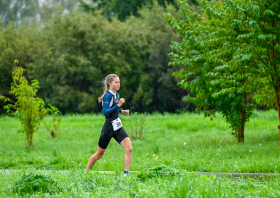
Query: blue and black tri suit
x=110, y=111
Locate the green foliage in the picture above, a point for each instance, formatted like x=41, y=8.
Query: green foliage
x=138, y=131
x=32, y=182
x=160, y=171
x=201, y=186
x=28, y=108
x=54, y=129
x=255, y=33
x=22, y=42
x=216, y=56
x=88, y=48
x=71, y=53
x=213, y=186
x=259, y=51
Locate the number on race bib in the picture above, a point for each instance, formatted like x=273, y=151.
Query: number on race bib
x=117, y=124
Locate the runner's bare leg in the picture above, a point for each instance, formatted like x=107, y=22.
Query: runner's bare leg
x=126, y=144
x=96, y=156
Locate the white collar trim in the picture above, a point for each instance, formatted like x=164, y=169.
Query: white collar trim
x=115, y=95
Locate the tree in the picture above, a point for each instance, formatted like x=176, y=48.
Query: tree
x=260, y=40
x=256, y=26
x=210, y=68
x=83, y=49
x=19, y=42
x=75, y=51
x=28, y=108
x=157, y=90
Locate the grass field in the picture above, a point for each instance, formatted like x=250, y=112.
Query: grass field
x=173, y=145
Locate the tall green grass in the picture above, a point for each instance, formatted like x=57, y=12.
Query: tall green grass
x=155, y=182
x=183, y=141
x=173, y=146
x=213, y=186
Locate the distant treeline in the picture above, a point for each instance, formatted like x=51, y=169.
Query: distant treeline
x=73, y=52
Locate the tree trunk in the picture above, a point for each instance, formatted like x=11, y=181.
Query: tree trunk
x=276, y=88
x=29, y=139
x=30, y=134
x=243, y=120
x=278, y=108
x=241, y=133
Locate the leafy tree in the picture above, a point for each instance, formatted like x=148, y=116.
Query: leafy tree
x=157, y=90
x=260, y=40
x=211, y=69
x=75, y=51
x=19, y=42
x=255, y=25
x=83, y=49
x=28, y=108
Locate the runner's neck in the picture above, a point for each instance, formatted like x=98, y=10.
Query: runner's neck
x=112, y=92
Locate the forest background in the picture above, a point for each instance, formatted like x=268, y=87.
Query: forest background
x=70, y=46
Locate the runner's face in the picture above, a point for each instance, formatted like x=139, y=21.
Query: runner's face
x=115, y=85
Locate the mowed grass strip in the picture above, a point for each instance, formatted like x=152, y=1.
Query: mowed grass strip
x=186, y=142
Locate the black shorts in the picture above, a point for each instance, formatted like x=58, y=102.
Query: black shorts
x=107, y=133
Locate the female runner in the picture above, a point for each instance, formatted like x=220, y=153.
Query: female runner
x=112, y=127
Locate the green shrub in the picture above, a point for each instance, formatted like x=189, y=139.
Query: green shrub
x=33, y=182
x=160, y=171
x=28, y=108
x=138, y=131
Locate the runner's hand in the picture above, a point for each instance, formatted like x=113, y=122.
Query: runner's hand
x=125, y=112
x=122, y=100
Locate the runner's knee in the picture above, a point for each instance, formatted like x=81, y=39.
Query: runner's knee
x=97, y=155
x=100, y=155
x=128, y=149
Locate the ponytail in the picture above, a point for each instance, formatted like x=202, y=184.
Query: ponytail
x=105, y=82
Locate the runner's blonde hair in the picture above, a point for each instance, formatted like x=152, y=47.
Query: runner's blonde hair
x=105, y=82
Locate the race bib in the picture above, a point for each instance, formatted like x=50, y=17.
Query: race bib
x=117, y=124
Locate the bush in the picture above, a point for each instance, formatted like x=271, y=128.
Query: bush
x=33, y=182
x=138, y=131
x=160, y=171
x=28, y=108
